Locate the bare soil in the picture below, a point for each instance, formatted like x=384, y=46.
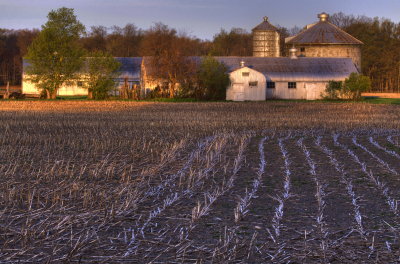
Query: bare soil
x=124, y=182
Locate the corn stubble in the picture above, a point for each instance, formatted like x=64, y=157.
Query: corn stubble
x=127, y=182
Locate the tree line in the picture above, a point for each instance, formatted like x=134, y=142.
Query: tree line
x=381, y=49
x=13, y=46
x=127, y=41
x=57, y=57
x=380, y=54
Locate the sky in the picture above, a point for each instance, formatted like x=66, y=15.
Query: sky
x=200, y=18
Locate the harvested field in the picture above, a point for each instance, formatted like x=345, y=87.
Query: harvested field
x=125, y=182
x=382, y=95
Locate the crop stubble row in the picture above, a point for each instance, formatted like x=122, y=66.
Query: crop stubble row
x=161, y=183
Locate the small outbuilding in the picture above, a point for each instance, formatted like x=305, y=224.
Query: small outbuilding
x=246, y=85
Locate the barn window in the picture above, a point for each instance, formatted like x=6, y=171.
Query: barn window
x=79, y=83
x=245, y=74
x=271, y=85
x=253, y=83
x=292, y=85
x=302, y=49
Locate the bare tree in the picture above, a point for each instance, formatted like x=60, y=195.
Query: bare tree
x=124, y=42
x=95, y=40
x=237, y=42
x=169, y=56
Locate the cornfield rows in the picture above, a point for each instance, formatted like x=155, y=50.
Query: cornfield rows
x=292, y=197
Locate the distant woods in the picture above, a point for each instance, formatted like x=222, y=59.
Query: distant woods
x=381, y=49
x=13, y=46
x=380, y=54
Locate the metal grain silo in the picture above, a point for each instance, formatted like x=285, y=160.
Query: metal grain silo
x=266, y=40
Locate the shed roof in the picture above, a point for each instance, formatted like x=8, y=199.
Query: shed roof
x=323, y=32
x=130, y=66
x=300, y=69
x=265, y=26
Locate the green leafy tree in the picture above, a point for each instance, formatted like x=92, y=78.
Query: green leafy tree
x=101, y=69
x=213, y=79
x=355, y=85
x=333, y=90
x=55, y=56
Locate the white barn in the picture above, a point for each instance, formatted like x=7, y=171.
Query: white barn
x=263, y=78
x=258, y=79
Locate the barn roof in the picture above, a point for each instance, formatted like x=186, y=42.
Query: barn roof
x=283, y=68
x=265, y=26
x=300, y=69
x=323, y=32
x=130, y=66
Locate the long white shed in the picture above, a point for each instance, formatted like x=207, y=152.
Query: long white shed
x=257, y=79
x=130, y=70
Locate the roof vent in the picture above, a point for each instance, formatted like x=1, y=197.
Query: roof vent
x=323, y=17
x=265, y=19
x=292, y=53
x=242, y=64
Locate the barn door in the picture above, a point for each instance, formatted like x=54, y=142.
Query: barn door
x=311, y=91
x=238, y=92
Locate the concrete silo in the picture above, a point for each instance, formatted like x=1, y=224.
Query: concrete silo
x=266, y=40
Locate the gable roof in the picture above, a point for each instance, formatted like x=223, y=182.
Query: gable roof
x=323, y=32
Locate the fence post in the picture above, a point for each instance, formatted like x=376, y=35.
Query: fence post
x=7, y=94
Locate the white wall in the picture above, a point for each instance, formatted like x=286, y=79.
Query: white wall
x=240, y=90
x=28, y=87
x=304, y=90
x=66, y=90
x=72, y=91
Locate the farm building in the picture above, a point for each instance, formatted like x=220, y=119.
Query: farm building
x=246, y=85
x=324, y=39
x=261, y=78
x=258, y=79
x=129, y=72
x=320, y=53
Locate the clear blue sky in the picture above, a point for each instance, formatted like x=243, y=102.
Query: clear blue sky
x=201, y=18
